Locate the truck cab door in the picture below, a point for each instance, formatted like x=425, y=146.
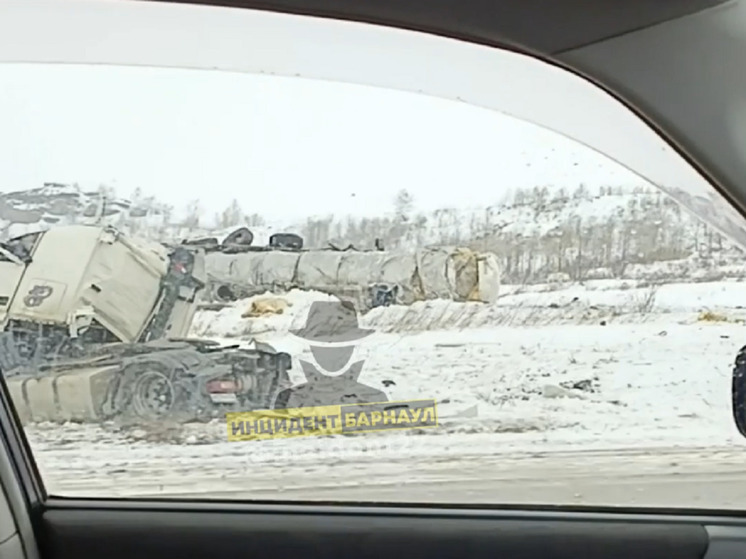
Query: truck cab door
x=11, y=273
x=185, y=307
x=15, y=255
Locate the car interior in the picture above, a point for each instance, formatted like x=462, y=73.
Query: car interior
x=673, y=73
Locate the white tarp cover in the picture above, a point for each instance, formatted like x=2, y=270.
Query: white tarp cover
x=462, y=264
x=273, y=268
x=401, y=269
x=318, y=268
x=489, y=277
x=254, y=268
x=433, y=265
x=429, y=273
x=357, y=268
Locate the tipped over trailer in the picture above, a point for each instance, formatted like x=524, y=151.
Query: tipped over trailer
x=94, y=326
x=369, y=278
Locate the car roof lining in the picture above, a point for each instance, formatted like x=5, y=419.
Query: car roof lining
x=549, y=27
x=562, y=32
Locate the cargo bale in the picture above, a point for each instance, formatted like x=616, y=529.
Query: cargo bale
x=401, y=269
x=360, y=268
x=432, y=265
x=319, y=268
x=275, y=268
x=463, y=265
x=489, y=278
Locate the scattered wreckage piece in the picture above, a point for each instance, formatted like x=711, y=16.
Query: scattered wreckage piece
x=286, y=241
x=93, y=326
x=239, y=240
x=264, y=306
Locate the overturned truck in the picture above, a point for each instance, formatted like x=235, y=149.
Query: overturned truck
x=94, y=326
x=369, y=278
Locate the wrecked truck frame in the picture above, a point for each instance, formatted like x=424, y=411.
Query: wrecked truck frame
x=222, y=291
x=104, y=336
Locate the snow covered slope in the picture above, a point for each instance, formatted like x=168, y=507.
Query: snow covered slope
x=63, y=204
x=634, y=232
x=580, y=233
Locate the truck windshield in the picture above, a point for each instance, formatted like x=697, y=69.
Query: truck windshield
x=21, y=247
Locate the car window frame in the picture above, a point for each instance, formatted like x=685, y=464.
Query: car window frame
x=82, y=53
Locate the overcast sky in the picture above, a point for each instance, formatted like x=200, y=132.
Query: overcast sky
x=283, y=147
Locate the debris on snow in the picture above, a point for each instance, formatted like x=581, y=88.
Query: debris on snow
x=264, y=306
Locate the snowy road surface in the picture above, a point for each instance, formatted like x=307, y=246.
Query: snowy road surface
x=662, y=477
x=615, y=414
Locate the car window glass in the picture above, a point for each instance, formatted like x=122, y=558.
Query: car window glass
x=255, y=287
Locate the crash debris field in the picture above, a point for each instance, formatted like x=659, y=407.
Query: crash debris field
x=617, y=375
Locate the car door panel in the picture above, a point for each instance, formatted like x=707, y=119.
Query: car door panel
x=362, y=533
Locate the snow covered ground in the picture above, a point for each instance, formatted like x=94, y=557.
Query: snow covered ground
x=601, y=382
x=594, y=302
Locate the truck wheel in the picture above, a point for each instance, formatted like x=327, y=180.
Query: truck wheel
x=153, y=395
x=146, y=392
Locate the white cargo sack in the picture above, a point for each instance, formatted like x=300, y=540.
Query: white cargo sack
x=459, y=274
x=489, y=278
x=318, y=269
x=401, y=269
x=360, y=268
x=435, y=277
x=274, y=268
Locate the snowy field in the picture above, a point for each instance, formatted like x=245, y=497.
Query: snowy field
x=554, y=393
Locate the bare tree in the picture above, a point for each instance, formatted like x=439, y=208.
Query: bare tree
x=232, y=216
x=254, y=220
x=403, y=205
x=194, y=212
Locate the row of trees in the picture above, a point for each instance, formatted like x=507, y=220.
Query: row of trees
x=535, y=232
x=194, y=213
x=542, y=231
x=609, y=231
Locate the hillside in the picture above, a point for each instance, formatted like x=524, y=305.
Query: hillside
x=63, y=204
x=539, y=234
x=545, y=233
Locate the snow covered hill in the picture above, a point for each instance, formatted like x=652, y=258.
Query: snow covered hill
x=541, y=234
x=62, y=204
x=545, y=232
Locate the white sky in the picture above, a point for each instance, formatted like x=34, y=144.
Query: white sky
x=283, y=147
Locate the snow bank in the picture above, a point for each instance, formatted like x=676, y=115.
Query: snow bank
x=633, y=296
x=228, y=322
x=499, y=390
x=533, y=389
x=607, y=301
